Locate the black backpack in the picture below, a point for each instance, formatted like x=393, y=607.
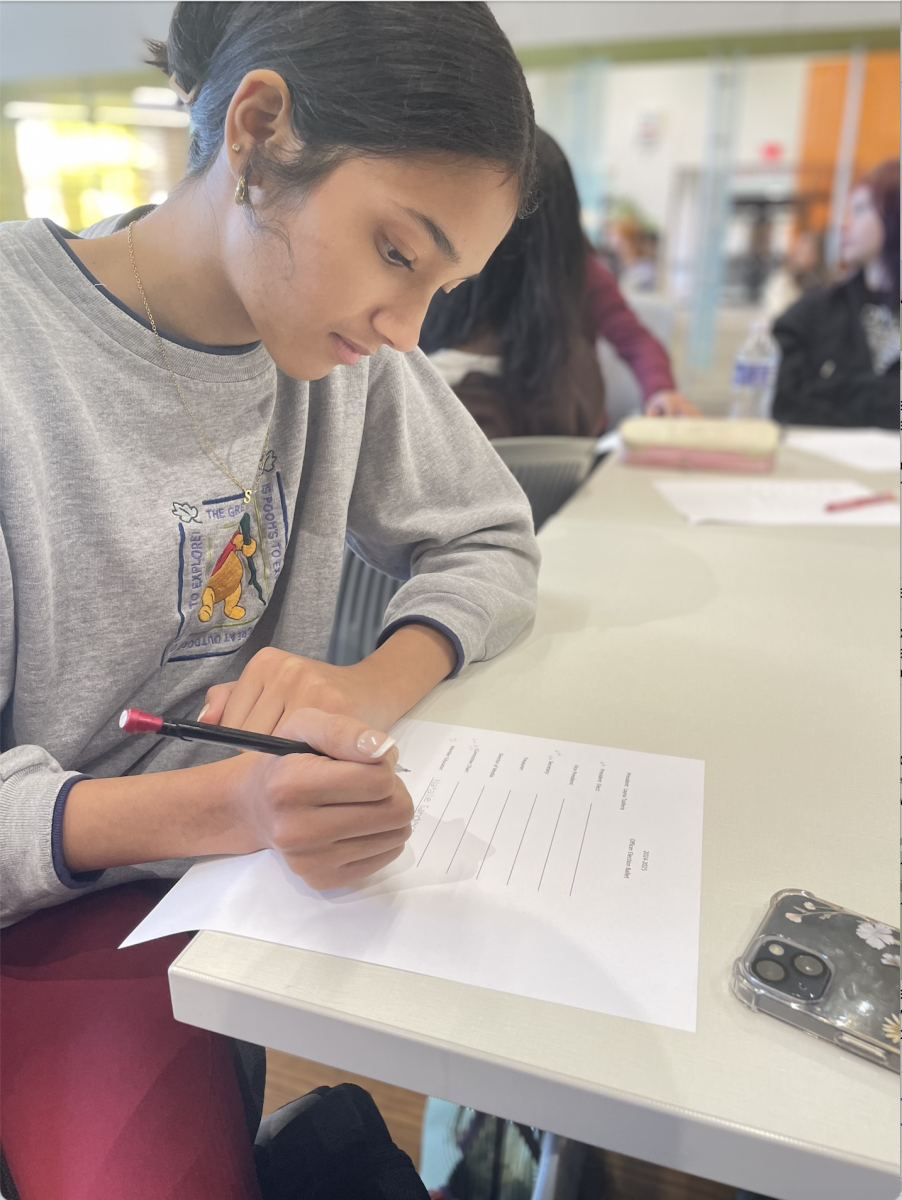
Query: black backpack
x=332, y=1144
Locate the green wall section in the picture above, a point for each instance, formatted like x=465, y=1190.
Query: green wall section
x=12, y=204
x=116, y=89
x=836, y=41
x=82, y=89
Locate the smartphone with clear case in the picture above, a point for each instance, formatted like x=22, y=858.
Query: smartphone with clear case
x=828, y=971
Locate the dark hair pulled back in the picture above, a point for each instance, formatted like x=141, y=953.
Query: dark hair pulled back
x=532, y=290
x=365, y=79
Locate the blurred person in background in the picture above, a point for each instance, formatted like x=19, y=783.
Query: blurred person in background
x=757, y=262
x=635, y=248
x=642, y=274
x=802, y=271
x=840, y=344
x=517, y=343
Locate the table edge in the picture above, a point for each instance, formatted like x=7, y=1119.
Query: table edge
x=183, y=976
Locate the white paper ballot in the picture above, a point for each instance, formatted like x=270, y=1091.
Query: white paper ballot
x=549, y=869
x=773, y=501
x=861, y=449
x=609, y=443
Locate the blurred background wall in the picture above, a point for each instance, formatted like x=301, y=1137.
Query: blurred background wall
x=707, y=138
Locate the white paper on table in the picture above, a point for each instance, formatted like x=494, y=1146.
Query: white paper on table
x=773, y=501
x=861, y=449
x=609, y=443
x=549, y=869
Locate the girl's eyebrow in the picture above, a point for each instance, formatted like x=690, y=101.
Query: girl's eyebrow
x=438, y=235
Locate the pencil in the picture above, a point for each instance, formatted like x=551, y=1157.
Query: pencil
x=133, y=720
x=861, y=502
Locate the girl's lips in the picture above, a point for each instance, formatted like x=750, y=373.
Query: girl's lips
x=347, y=354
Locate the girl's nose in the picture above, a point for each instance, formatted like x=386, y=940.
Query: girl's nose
x=400, y=325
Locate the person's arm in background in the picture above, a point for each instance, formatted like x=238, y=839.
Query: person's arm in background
x=833, y=393
x=614, y=320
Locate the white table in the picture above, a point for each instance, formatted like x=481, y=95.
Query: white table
x=770, y=654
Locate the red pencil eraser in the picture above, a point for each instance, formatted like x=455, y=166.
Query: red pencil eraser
x=135, y=721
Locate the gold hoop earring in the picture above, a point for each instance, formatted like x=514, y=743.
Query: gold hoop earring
x=241, y=190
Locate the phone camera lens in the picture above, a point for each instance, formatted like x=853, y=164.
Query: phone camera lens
x=807, y=964
x=769, y=971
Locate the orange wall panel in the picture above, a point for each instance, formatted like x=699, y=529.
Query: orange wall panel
x=878, y=129
x=820, y=138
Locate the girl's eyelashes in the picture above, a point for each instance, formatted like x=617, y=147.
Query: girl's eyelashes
x=396, y=258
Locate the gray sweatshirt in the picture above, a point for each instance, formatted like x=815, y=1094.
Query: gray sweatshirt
x=132, y=573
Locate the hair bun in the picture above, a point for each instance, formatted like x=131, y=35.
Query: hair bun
x=195, y=32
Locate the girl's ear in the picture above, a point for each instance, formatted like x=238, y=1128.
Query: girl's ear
x=259, y=115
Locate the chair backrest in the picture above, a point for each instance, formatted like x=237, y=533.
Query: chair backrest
x=623, y=396
x=363, y=597
x=548, y=469
x=7, y=1184
x=655, y=312
x=622, y=393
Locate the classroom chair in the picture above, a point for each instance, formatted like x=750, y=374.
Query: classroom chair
x=622, y=394
x=7, y=1186
x=363, y=597
x=549, y=469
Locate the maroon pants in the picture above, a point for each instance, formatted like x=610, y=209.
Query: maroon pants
x=104, y=1094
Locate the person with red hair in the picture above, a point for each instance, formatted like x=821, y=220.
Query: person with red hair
x=840, y=344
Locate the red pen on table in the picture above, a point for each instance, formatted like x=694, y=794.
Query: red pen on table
x=861, y=502
x=133, y=720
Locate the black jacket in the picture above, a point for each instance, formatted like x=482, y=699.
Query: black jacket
x=827, y=375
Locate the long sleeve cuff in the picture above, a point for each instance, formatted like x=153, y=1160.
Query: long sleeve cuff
x=432, y=624
x=63, y=874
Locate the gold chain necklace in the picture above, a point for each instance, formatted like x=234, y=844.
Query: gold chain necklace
x=248, y=492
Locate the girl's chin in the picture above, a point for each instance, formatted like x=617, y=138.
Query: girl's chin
x=306, y=372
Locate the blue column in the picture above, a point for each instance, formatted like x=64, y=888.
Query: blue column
x=586, y=149
x=713, y=209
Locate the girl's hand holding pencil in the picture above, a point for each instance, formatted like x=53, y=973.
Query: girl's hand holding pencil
x=335, y=820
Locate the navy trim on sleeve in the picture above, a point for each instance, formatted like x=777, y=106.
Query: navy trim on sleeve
x=63, y=874
x=449, y=634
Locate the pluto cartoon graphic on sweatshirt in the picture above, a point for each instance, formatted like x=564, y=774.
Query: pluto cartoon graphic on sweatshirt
x=228, y=575
x=229, y=556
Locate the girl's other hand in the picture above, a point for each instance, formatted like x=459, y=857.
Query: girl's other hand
x=377, y=691
x=274, y=684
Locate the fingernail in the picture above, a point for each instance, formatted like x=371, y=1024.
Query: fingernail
x=374, y=744
x=200, y=715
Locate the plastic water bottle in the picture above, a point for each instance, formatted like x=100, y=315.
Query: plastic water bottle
x=755, y=374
